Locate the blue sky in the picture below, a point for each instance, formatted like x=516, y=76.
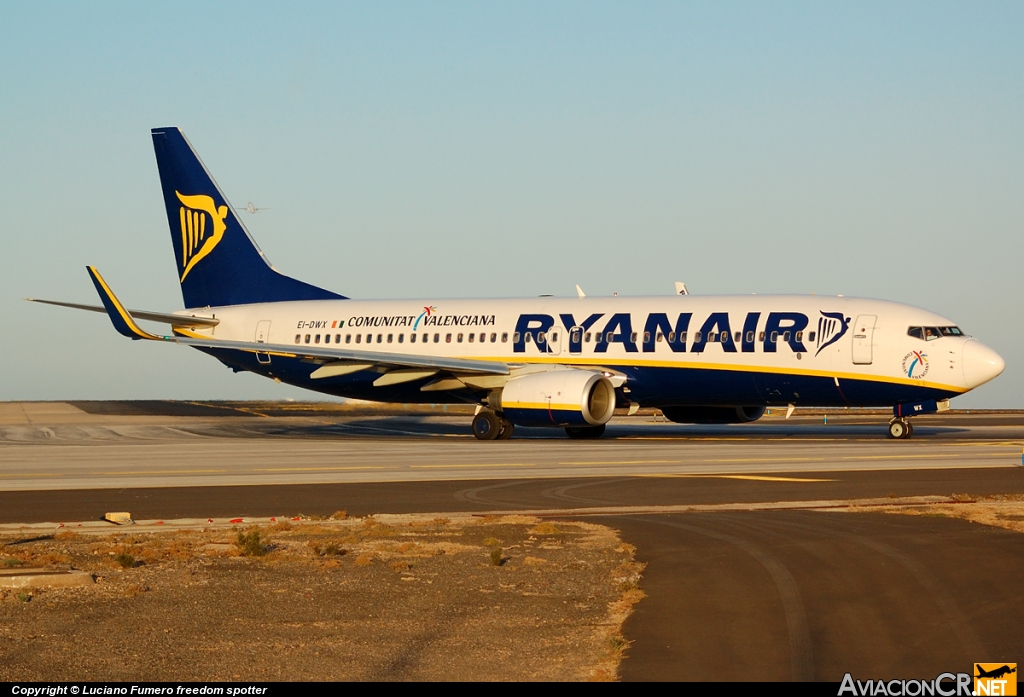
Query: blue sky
x=460, y=150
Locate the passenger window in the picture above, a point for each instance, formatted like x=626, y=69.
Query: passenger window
x=529, y=337
x=810, y=336
x=774, y=337
x=515, y=338
x=725, y=337
x=471, y=337
x=672, y=337
x=348, y=338
x=632, y=337
x=610, y=337
x=307, y=338
x=298, y=338
x=682, y=337
x=437, y=338
x=401, y=338
x=542, y=337
x=750, y=337
x=380, y=338
x=586, y=338
x=359, y=338
x=494, y=337
x=554, y=337
x=799, y=336
x=458, y=339
x=327, y=338
x=448, y=338
x=337, y=338
x=412, y=338
x=785, y=336
x=316, y=339
x=738, y=336
x=712, y=337
x=647, y=337
x=696, y=337
x=760, y=337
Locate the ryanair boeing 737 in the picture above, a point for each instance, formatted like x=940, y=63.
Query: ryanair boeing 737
x=558, y=362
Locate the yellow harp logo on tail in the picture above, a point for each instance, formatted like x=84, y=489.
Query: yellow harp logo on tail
x=199, y=236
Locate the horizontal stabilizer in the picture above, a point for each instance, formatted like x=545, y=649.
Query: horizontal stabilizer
x=164, y=317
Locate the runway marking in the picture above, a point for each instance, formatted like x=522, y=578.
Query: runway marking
x=753, y=477
x=144, y=472
x=830, y=459
x=32, y=474
x=434, y=467
x=318, y=469
x=627, y=462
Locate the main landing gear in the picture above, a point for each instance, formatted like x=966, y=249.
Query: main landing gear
x=900, y=428
x=489, y=426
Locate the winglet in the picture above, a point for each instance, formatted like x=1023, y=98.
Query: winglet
x=124, y=323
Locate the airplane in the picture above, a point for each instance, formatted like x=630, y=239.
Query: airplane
x=547, y=361
x=996, y=673
x=250, y=208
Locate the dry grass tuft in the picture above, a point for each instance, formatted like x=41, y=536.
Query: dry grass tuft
x=251, y=543
x=544, y=529
x=339, y=515
x=364, y=560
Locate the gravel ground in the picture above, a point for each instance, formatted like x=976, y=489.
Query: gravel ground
x=405, y=599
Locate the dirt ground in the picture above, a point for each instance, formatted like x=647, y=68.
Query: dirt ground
x=403, y=598
x=1001, y=510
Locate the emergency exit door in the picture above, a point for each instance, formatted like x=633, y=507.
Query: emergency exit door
x=863, y=337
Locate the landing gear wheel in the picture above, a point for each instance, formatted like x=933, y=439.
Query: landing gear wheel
x=900, y=429
x=486, y=425
x=585, y=431
x=507, y=427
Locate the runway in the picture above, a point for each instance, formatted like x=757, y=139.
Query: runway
x=61, y=447
x=740, y=590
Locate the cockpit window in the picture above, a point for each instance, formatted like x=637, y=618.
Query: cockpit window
x=933, y=333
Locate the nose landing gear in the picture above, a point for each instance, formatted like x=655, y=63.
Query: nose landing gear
x=900, y=428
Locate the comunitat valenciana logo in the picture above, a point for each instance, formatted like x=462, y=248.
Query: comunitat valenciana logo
x=915, y=365
x=988, y=679
x=199, y=237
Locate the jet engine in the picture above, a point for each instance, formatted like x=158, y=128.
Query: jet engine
x=712, y=415
x=564, y=397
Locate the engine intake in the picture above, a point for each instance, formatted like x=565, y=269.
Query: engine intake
x=564, y=397
x=712, y=415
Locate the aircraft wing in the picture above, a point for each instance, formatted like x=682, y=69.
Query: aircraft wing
x=165, y=317
x=404, y=360
x=124, y=323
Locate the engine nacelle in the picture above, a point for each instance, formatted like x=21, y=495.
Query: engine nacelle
x=564, y=397
x=712, y=415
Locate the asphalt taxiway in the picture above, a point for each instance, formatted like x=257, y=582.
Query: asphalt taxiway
x=747, y=588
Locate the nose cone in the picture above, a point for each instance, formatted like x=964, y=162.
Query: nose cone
x=981, y=363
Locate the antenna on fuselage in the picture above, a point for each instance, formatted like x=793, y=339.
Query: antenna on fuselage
x=681, y=288
x=579, y=291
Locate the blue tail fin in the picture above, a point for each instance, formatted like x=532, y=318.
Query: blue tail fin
x=218, y=261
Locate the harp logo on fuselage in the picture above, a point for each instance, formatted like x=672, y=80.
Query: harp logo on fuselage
x=202, y=228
